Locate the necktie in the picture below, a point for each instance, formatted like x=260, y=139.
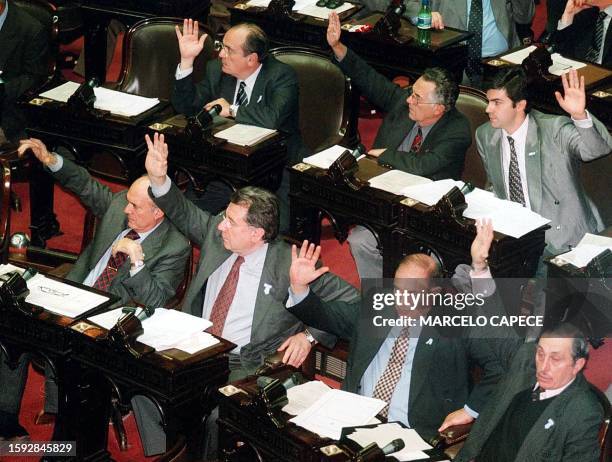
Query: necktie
x=474, y=63
x=105, y=280
x=593, y=52
x=388, y=380
x=417, y=141
x=222, y=304
x=241, y=97
x=515, y=187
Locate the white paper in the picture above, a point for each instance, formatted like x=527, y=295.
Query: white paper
x=430, y=193
x=394, y=181
x=325, y=158
x=244, y=135
x=118, y=103
x=338, y=409
x=108, y=319
x=168, y=328
x=323, y=12
x=385, y=433
x=560, y=65
x=9, y=268
x=301, y=397
x=197, y=342
x=588, y=248
x=61, y=298
x=517, y=57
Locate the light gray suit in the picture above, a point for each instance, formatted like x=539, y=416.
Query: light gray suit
x=554, y=151
x=506, y=12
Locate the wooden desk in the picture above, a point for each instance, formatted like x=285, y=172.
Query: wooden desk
x=401, y=226
x=448, y=48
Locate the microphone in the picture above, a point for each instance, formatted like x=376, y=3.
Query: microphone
x=290, y=382
x=147, y=312
x=29, y=274
x=358, y=151
x=468, y=187
x=204, y=118
x=394, y=446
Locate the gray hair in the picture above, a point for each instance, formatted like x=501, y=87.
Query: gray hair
x=256, y=40
x=447, y=89
x=580, y=345
x=263, y=209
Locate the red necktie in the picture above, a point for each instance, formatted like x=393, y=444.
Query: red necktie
x=222, y=304
x=417, y=141
x=105, y=280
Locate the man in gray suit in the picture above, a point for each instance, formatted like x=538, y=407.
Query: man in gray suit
x=240, y=247
x=543, y=409
x=157, y=254
x=534, y=158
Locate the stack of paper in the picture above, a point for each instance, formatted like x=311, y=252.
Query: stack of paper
x=383, y=434
x=245, y=135
x=307, y=7
x=325, y=158
x=337, y=409
x=430, y=193
x=301, y=397
x=166, y=329
x=588, y=248
x=119, y=103
x=394, y=181
x=559, y=66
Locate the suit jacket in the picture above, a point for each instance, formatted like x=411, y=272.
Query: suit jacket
x=274, y=102
x=565, y=432
x=554, y=151
x=442, y=153
x=23, y=62
x=272, y=323
x=574, y=41
x=506, y=12
x=166, y=249
x=440, y=380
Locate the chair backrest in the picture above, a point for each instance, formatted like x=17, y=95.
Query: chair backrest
x=595, y=177
x=151, y=54
x=605, y=432
x=327, y=111
x=472, y=103
x=5, y=211
x=45, y=13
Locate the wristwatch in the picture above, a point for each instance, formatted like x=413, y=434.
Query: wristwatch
x=232, y=112
x=309, y=336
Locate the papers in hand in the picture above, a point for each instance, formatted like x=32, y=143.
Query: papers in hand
x=588, y=248
x=509, y=218
x=385, y=433
x=337, y=409
x=166, y=329
x=325, y=158
x=560, y=64
x=245, y=135
x=394, y=181
x=119, y=103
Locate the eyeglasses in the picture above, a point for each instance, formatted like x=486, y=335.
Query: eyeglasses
x=219, y=45
x=418, y=100
x=232, y=224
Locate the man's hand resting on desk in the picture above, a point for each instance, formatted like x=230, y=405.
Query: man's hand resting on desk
x=459, y=417
x=156, y=162
x=296, y=349
x=303, y=269
x=225, y=106
x=39, y=149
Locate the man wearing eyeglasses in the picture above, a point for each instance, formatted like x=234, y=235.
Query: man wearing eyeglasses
x=243, y=274
x=422, y=133
x=251, y=87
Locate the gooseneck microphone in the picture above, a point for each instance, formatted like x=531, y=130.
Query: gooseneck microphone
x=204, y=118
x=394, y=446
x=358, y=151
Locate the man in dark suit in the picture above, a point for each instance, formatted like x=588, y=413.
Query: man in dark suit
x=240, y=245
x=584, y=32
x=23, y=67
x=423, y=133
x=251, y=87
x=543, y=409
x=432, y=389
x=157, y=254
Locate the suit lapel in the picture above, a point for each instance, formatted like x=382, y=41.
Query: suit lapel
x=423, y=360
x=533, y=165
x=267, y=290
x=7, y=37
x=494, y=160
x=105, y=240
x=228, y=88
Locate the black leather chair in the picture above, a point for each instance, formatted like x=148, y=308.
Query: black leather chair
x=328, y=106
x=472, y=103
x=5, y=211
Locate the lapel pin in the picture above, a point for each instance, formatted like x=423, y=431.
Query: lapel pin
x=429, y=342
x=260, y=98
x=549, y=424
x=532, y=153
x=267, y=288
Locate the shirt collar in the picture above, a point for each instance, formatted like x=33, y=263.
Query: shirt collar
x=250, y=80
x=256, y=258
x=608, y=10
x=546, y=394
x=3, y=15
x=520, y=133
x=144, y=235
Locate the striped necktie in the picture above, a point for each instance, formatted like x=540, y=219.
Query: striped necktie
x=115, y=262
x=241, y=97
x=595, y=48
x=515, y=187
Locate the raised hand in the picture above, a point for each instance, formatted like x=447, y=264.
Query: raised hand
x=333, y=35
x=572, y=7
x=156, y=162
x=190, y=45
x=303, y=268
x=39, y=149
x=481, y=244
x=573, y=100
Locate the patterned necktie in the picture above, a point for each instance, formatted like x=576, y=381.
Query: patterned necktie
x=514, y=176
x=222, y=304
x=593, y=52
x=388, y=380
x=241, y=97
x=105, y=280
x=417, y=141
x=474, y=63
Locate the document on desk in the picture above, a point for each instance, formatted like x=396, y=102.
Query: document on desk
x=383, y=434
x=588, y=248
x=301, y=397
x=61, y=298
x=338, y=409
x=245, y=135
x=116, y=102
x=430, y=193
x=306, y=7
x=394, y=181
x=560, y=64
x=325, y=158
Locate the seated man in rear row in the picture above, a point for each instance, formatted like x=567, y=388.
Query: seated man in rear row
x=423, y=133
